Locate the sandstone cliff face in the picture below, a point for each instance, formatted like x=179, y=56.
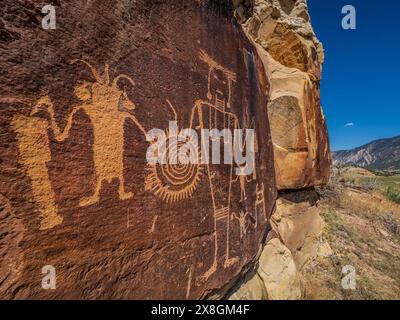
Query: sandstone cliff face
x=296, y=242
x=293, y=59
x=76, y=190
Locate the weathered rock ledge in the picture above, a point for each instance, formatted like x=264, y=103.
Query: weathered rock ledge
x=292, y=58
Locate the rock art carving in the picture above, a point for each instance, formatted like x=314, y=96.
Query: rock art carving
x=172, y=182
x=176, y=182
x=88, y=140
x=32, y=131
x=241, y=217
x=102, y=102
x=207, y=115
x=260, y=201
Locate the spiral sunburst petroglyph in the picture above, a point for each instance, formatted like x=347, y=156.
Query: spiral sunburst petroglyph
x=173, y=182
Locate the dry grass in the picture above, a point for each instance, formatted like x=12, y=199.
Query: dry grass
x=363, y=230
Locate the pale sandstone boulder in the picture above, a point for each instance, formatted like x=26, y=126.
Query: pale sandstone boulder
x=278, y=271
x=300, y=227
x=252, y=289
x=275, y=278
x=299, y=231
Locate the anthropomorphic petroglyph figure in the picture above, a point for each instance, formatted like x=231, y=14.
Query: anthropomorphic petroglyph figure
x=107, y=107
x=242, y=219
x=214, y=66
x=243, y=177
x=243, y=180
x=211, y=113
x=34, y=154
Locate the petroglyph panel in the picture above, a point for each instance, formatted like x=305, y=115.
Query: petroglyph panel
x=76, y=104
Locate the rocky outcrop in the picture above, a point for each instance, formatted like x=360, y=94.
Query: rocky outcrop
x=252, y=288
x=278, y=272
x=296, y=241
x=298, y=222
x=79, y=195
x=299, y=225
x=276, y=276
x=293, y=59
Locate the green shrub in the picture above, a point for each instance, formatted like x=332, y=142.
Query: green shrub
x=393, y=194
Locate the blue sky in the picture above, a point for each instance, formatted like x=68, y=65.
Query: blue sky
x=361, y=75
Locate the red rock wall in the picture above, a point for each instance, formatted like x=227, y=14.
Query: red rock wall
x=75, y=189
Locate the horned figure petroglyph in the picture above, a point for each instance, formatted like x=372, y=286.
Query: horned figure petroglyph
x=208, y=115
x=107, y=107
x=215, y=66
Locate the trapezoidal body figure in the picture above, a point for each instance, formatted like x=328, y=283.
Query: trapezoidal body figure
x=108, y=107
x=213, y=113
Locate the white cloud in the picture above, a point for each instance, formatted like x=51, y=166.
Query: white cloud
x=350, y=124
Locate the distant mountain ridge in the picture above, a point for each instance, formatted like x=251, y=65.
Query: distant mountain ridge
x=382, y=154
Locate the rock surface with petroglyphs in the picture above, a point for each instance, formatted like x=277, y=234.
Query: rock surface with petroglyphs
x=76, y=191
x=293, y=58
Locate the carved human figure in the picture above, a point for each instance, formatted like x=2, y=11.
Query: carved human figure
x=108, y=107
x=243, y=180
x=211, y=113
x=241, y=217
x=34, y=154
